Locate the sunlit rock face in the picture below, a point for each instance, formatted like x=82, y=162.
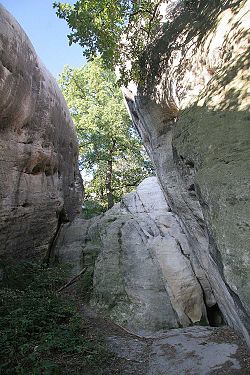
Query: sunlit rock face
x=193, y=116
x=39, y=178
x=140, y=268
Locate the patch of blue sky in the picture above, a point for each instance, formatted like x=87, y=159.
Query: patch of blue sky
x=47, y=33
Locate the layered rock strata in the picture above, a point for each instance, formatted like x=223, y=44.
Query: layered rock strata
x=40, y=186
x=193, y=116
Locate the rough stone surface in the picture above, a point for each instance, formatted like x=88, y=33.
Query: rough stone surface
x=143, y=276
x=40, y=184
x=69, y=244
x=183, y=351
x=191, y=351
x=193, y=116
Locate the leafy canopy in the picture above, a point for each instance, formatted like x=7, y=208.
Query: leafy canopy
x=118, y=30
x=110, y=150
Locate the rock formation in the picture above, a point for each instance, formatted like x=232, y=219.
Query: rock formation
x=183, y=260
x=40, y=184
x=144, y=272
x=167, y=256
x=193, y=116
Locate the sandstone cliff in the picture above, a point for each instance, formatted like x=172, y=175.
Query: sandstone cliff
x=193, y=115
x=40, y=186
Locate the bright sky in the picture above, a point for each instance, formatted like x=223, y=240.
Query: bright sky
x=47, y=33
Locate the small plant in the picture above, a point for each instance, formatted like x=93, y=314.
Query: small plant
x=40, y=331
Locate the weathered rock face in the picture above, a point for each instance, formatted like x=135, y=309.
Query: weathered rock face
x=193, y=115
x=40, y=183
x=144, y=271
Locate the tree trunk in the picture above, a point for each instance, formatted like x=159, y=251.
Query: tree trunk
x=109, y=189
x=109, y=175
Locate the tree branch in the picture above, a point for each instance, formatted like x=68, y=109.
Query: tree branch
x=72, y=281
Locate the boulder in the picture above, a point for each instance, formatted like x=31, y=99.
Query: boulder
x=40, y=183
x=141, y=262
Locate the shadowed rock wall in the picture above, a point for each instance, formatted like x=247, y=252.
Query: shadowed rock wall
x=40, y=185
x=193, y=116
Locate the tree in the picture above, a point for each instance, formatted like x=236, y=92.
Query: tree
x=110, y=150
x=118, y=30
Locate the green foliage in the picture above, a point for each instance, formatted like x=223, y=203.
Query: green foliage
x=118, y=30
x=91, y=208
x=110, y=151
x=39, y=330
x=121, y=30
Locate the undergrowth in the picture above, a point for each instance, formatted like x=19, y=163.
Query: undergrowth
x=41, y=332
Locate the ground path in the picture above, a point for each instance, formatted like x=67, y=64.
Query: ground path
x=188, y=351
